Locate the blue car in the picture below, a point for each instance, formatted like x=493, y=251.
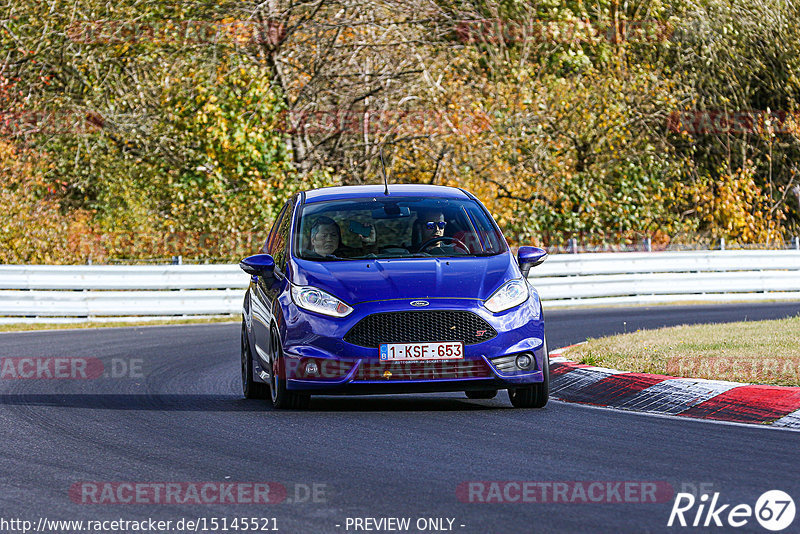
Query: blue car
x=403, y=289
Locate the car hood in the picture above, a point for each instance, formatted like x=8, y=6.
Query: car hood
x=357, y=281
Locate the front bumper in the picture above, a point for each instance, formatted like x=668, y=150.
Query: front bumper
x=344, y=368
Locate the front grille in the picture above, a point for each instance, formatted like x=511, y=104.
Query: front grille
x=420, y=326
x=433, y=370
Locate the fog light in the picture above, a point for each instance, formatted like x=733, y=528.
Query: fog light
x=523, y=361
x=312, y=368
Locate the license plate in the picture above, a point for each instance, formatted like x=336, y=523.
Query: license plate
x=412, y=352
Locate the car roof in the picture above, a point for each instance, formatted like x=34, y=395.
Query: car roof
x=395, y=190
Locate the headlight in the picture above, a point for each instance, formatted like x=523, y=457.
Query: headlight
x=537, y=303
x=512, y=293
x=313, y=299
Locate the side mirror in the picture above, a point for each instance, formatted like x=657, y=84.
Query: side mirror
x=529, y=257
x=259, y=265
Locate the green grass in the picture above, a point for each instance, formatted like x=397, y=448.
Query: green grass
x=759, y=352
x=25, y=327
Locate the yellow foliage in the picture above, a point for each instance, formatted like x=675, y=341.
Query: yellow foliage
x=733, y=206
x=34, y=230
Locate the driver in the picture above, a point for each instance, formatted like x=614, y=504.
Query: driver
x=431, y=225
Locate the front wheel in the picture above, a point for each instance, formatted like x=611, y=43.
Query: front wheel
x=282, y=398
x=535, y=395
x=250, y=388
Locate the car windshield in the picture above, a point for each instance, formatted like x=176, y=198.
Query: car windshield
x=402, y=227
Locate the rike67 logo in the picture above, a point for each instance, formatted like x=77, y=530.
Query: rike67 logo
x=774, y=510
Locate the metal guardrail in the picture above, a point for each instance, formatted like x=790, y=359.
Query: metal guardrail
x=659, y=277
x=70, y=293
x=43, y=293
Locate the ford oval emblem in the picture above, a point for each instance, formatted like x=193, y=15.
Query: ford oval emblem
x=419, y=303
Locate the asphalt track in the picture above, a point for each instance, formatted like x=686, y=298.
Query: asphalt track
x=181, y=418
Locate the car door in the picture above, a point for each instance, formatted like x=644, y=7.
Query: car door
x=267, y=291
x=260, y=302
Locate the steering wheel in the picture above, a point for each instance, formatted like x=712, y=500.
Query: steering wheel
x=456, y=242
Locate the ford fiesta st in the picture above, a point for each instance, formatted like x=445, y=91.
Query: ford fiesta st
x=406, y=289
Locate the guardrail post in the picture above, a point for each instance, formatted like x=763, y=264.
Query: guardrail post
x=722, y=243
x=648, y=244
x=796, y=243
x=572, y=244
x=177, y=260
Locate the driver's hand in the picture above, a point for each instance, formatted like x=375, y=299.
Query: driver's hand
x=370, y=239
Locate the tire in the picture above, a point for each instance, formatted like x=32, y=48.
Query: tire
x=282, y=398
x=250, y=388
x=483, y=394
x=535, y=395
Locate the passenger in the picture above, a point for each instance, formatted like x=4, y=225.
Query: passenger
x=326, y=237
x=326, y=240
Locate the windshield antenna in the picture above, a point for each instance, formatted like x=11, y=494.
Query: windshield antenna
x=383, y=169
